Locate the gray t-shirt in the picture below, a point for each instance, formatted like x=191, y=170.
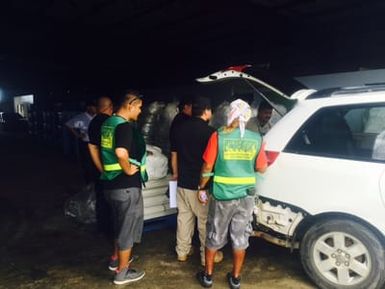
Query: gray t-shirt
x=253, y=125
x=81, y=122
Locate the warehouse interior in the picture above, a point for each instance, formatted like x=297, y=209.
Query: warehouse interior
x=57, y=54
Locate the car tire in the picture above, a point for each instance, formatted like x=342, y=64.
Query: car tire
x=343, y=254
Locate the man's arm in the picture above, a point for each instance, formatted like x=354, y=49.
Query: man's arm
x=123, y=140
x=261, y=161
x=70, y=125
x=209, y=158
x=262, y=170
x=95, y=155
x=205, y=174
x=74, y=131
x=205, y=177
x=123, y=156
x=174, y=165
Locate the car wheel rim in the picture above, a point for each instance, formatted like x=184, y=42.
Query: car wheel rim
x=342, y=258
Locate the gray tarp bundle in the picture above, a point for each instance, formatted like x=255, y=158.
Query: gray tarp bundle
x=155, y=124
x=81, y=206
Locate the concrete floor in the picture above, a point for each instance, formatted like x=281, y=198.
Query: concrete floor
x=41, y=249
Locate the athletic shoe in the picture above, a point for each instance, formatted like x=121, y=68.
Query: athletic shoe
x=205, y=280
x=128, y=275
x=234, y=283
x=114, y=263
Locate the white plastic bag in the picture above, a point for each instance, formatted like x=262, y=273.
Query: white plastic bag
x=157, y=163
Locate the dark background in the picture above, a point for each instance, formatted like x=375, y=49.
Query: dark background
x=72, y=49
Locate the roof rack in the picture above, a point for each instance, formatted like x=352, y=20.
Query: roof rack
x=341, y=91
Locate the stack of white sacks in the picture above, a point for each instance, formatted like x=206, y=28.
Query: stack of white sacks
x=156, y=202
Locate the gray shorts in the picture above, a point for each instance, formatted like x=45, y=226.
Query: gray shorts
x=233, y=216
x=127, y=215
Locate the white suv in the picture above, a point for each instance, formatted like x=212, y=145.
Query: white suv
x=324, y=190
x=325, y=187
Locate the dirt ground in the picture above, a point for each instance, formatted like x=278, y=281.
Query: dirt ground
x=42, y=249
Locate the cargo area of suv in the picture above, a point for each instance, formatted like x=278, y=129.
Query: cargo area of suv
x=324, y=191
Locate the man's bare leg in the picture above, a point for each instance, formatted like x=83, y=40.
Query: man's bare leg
x=210, y=255
x=124, y=257
x=238, y=259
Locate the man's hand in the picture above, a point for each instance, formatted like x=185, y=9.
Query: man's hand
x=202, y=197
x=95, y=155
x=132, y=169
x=123, y=157
x=174, y=166
x=174, y=177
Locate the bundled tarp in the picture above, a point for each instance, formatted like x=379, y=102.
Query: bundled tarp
x=155, y=123
x=81, y=206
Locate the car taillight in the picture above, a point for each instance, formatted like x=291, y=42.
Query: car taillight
x=271, y=157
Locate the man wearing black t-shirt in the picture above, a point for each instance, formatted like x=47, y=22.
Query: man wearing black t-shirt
x=185, y=107
x=103, y=212
x=104, y=110
x=122, y=149
x=190, y=142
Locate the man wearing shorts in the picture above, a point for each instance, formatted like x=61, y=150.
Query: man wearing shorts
x=234, y=154
x=123, y=150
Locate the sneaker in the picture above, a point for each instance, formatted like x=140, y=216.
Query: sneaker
x=234, y=283
x=114, y=263
x=128, y=275
x=183, y=258
x=217, y=259
x=204, y=279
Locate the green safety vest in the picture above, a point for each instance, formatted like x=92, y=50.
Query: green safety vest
x=111, y=166
x=234, y=170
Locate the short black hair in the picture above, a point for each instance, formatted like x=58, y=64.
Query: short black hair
x=184, y=100
x=264, y=105
x=199, y=105
x=127, y=97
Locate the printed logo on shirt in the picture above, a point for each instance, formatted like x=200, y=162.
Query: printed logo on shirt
x=107, y=137
x=239, y=149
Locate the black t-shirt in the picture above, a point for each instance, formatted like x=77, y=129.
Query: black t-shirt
x=179, y=119
x=124, y=139
x=191, y=140
x=94, y=128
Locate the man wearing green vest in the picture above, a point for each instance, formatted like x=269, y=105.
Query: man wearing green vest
x=123, y=158
x=234, y=155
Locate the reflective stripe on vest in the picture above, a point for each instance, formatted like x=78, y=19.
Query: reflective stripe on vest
x=112, y=167
x=234, y=170
x=117, y=167
x=206, y=175
x=235, y=180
